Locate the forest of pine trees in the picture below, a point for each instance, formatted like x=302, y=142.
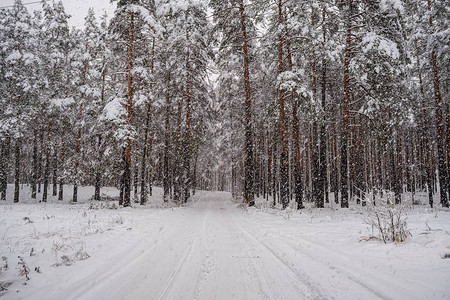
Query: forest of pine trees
x=295, y=101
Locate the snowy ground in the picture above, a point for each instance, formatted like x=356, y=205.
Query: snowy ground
x=214, y=249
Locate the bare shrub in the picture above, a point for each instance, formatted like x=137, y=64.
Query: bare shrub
x=117, y=219
x=243, y=206
x=388, y=219
x=81, y=255
x=24, y=270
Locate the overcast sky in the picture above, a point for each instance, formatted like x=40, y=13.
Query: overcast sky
x=76, y=8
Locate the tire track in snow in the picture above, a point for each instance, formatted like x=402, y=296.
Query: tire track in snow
x=266, y=278
x=336, y=268
x=296, y=275
x=163, y=293
x=207, y=260
x=170, y=281
x=339, y=269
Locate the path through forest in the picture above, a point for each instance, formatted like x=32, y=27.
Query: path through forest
x=213, y=249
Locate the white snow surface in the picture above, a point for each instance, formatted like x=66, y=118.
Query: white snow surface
x=214, y=249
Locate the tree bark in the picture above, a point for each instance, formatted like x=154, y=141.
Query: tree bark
x=424, y=137
x=322, y=189
x=122, y=178
x=346, y=110
x=46, y=174
x=98, y=173
x=187, y=146
x=61, y=178
x=35, y=168
x=178, y=172
x=144, y=193
x=248, y=184
x=17, y=170
x=127, y=171
x=4, y=167
x=284, y=176
x=77, y=153
x=166, y=186
x=440, y=126
x=55, y=170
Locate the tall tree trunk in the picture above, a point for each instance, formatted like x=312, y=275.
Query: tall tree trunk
x=78, y=147
x=122, y=177
x=47, y=165
x=448, y=144
x=46, y=174
x=61, y=178
x=284, y=180
x=127, y=171
x=55, y=170
x=146, y=133
x=166, y=185
x=136, y=183
x=248, y=180
x=322, y=188
x=397, y=169
x=187, y=146
x=5, y=149
x=98, y=170
x=35, y=168
x=151, y=167
x=194, y=175
x=177, y=170
x=440, y=125
x=77, y=162
x=17, y=170
x=298, y=188
x=315, y=164
x=274, y=171
x=346, y=109
x=269, y=167
x=41, y=149
x=424, y=137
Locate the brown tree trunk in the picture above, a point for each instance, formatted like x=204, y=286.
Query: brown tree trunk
x=166, y=185
x=284, y=180
x=322, y=187
x=78, y=147
x=428, y=164
x=4, y=167
x=61, y=178
x=346, y=110
x=77, y=162
x=298, y=188
x=187, y=146
x=440, y=126
x=127, y=171
x=248, y=185
x=146, y=133
x=55, y=171
x=41, y=149
x=35, y=167
x=98, y=173
x=194, y=175
x=177, y=170
x=16, y=170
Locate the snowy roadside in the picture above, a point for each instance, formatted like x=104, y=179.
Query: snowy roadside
x=214, y=249
x=45, y=241
x=332, y=242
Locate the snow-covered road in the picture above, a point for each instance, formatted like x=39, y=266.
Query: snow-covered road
x=205, y=251
x=213, y=249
